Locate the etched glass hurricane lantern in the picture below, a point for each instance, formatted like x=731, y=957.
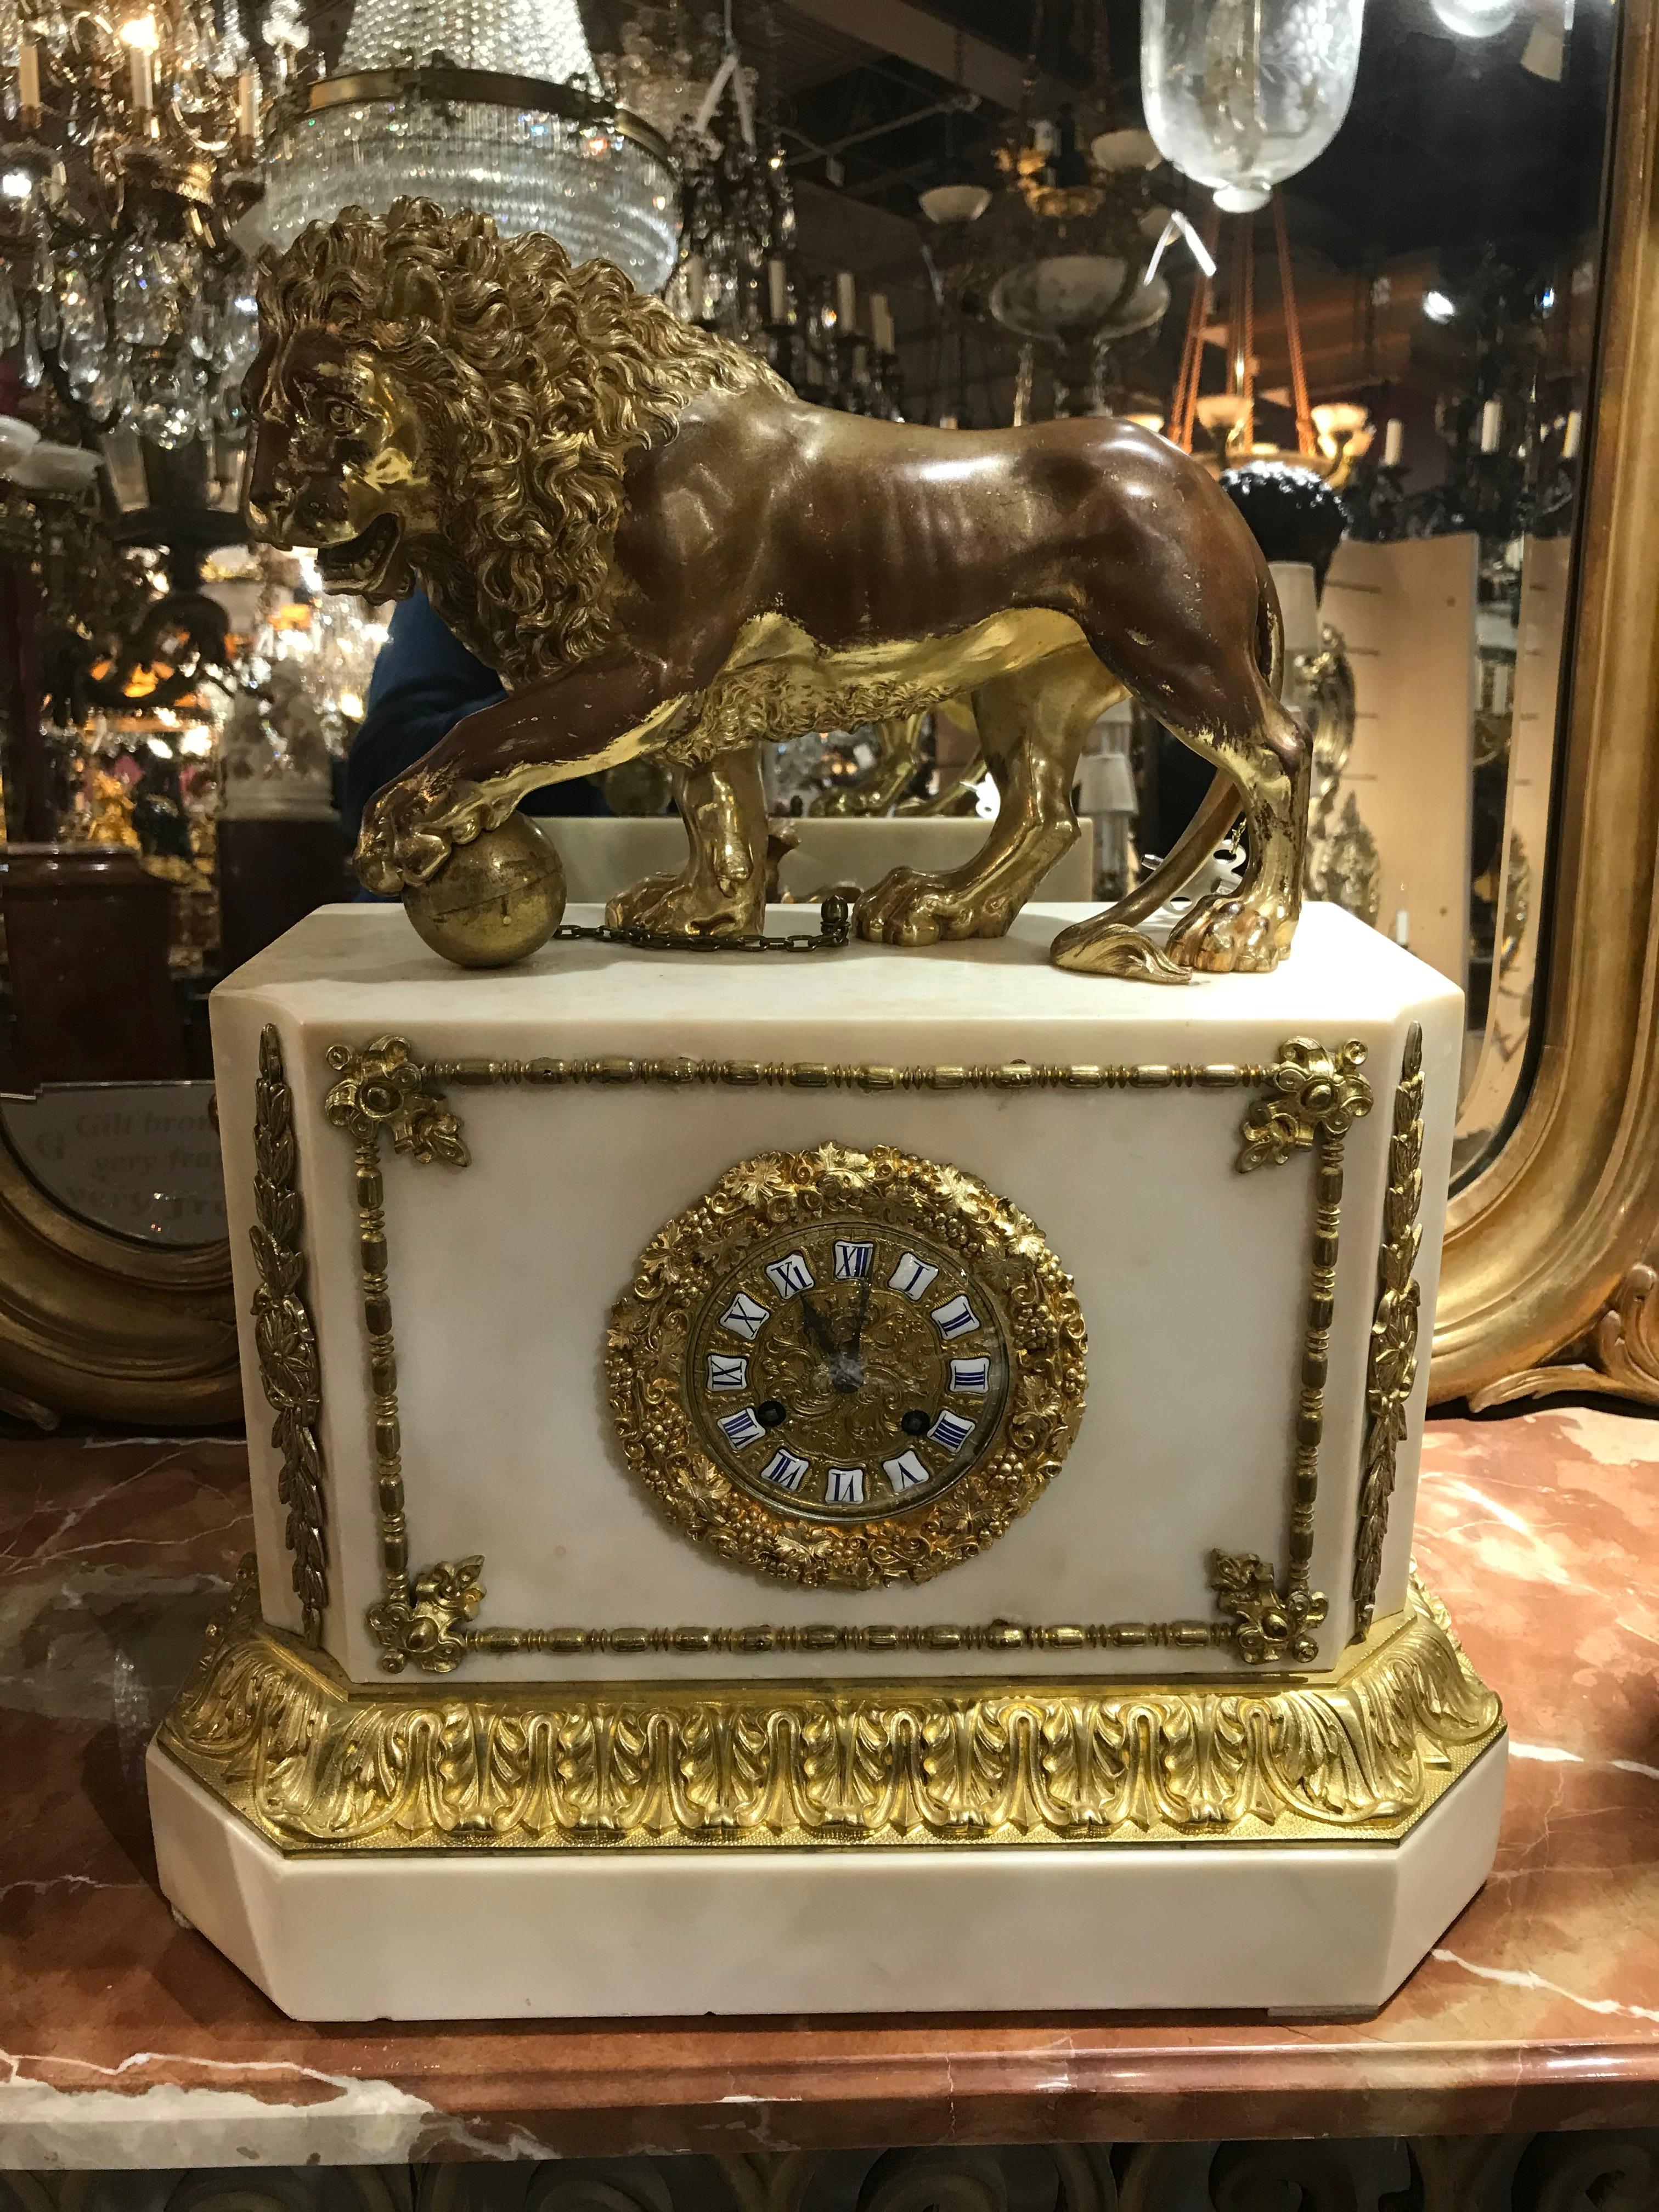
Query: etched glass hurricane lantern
x=1242, y=94
x=485, y=103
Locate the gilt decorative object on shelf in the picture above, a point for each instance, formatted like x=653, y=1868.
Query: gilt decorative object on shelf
x=922, y=1443
x=667, y=554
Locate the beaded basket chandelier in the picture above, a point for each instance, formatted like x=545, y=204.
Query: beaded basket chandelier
x=493, y=105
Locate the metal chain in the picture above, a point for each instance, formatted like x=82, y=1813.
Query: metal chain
x=834, y=931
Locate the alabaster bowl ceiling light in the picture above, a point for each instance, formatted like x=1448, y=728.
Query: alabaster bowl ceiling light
x=500, y=111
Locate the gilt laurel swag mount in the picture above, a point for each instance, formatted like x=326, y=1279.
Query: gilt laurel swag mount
x=665, y=553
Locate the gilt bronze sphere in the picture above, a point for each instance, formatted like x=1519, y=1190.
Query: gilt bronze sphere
x=494, y=901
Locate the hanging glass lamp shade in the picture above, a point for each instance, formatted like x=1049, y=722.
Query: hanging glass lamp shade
x=497, y=113
x=1242, y=94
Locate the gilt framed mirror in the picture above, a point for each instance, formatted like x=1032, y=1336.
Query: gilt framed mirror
x=1548, y=1280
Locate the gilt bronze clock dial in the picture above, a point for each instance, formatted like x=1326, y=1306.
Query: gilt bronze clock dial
x=847, y=1367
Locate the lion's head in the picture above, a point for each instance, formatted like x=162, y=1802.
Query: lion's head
x=433, y=402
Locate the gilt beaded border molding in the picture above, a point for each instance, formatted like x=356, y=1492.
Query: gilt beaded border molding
x=1360, y=1755
x=1310, y=1097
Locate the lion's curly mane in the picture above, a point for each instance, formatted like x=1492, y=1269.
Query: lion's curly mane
x=537, y=380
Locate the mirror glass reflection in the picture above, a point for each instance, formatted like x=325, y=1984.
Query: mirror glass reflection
x=1371, y=305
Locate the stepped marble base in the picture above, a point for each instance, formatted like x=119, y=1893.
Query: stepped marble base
x=1288, y=1927
x=544, y=1850
x=530, y=1710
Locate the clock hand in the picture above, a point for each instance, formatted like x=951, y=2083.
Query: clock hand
x=815, y=1326
x=857, y=1337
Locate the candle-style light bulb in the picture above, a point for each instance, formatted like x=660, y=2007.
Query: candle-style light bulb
x=140, y=34
x=248, y=105
x=1393, y=440
x=28, y=77
x=696, y=286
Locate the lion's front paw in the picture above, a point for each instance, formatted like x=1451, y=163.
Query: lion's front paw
x=906, y=908
x=683, y=906
x=1242, y=936
x=411, y=828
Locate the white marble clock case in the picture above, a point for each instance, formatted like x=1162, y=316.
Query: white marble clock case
x=1194, y=1281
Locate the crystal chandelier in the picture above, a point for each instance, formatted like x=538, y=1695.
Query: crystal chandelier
x=738, y=269
x=126, y=146
x=493, y=105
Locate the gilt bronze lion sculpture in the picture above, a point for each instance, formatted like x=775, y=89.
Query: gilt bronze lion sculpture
x=662, y=550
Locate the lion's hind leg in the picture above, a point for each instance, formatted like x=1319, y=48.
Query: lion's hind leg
x=721, y=891
x=1211, y=690
x=1032, y=725
x=1249, y=929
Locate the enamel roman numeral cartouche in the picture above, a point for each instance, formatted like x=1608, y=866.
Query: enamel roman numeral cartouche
x=847, y=1367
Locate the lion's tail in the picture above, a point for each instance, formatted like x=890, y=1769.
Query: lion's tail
x=1270, y=632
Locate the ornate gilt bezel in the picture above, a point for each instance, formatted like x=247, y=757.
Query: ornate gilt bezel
x=1004, y=1255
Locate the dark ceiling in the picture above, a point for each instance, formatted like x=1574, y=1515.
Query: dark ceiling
x=1452, y=145
x=1450, y=141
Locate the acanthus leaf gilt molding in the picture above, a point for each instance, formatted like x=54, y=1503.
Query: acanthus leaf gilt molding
x=314, y=1762
x=1618, y=1358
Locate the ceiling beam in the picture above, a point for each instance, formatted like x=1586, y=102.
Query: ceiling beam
x=896, y=26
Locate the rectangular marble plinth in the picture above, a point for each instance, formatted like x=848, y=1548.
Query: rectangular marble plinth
x=1303, y=1928
x=1202, y=1288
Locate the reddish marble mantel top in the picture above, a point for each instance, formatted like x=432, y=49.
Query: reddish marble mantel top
x=125, y=2039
